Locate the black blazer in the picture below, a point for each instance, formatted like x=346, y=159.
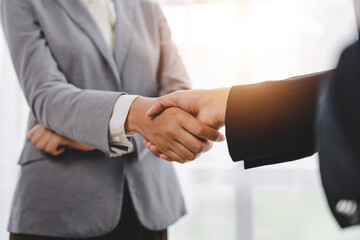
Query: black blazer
x=280, y=121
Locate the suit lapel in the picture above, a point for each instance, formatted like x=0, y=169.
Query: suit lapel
x=123, y=30
x=84, y=20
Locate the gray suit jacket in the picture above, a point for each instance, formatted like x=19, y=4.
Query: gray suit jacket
x=71, y=81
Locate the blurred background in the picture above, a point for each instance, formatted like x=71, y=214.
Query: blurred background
x=224, y=43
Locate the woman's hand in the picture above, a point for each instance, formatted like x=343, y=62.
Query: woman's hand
x=209, y=106
x=176, y=133
x=47, y=141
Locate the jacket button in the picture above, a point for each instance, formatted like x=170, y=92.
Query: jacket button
x=347, y=207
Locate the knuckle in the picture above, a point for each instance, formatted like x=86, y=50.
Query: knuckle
x=56, y=153
x=162, y=150
x=178, y=159
x=40, y=146
x=171, y=130
x=192, y=157
x=49, y=149
x=59, y=140
x=176, y=114
x=198, y=148
x=200, y=130
x=51, y=152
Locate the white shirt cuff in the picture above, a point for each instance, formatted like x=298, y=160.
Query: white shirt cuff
x=119, y=140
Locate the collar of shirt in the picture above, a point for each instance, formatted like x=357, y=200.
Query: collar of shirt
x=104, y=15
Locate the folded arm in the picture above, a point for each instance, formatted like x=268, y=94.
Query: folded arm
x=79, y=114
x=47, y=141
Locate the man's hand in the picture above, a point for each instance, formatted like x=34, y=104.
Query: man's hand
x=47, y=141
x=209, y=106
x=176, y=133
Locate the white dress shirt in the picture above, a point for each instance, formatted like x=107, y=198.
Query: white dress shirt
x=104, y=14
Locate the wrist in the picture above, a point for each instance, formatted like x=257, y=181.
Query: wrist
x=137, y=114
x=223, y=94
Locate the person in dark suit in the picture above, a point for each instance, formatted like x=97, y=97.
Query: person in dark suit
x=279, y=121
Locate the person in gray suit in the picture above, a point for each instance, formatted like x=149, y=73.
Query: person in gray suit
x=83, y=66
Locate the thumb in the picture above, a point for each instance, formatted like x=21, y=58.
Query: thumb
x=84, y=147
x=155, y=109
x=73, y=144
x=161, y=103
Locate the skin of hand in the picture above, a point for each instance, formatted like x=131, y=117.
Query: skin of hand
x=209, y=106
x=52, y=143
x=177, y=133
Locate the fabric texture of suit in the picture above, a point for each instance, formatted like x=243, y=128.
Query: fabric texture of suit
x=128, y=227
x=274, y=122
x=71, y=81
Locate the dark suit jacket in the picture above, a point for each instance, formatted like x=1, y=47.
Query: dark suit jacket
x=280, y=121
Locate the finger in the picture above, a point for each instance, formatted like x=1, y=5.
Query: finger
x=180, y=141
x=173, y=156
x=59, y=151
x=54, y=146
x=167, y=150
x=34, y=130
x=155, y=109
x=170, y=100
x=85, y=147
x=37, y=133
x=200, y=129
x=165, y=157
x=155, y=150
x=191, y=142
x=45, y=137
x=152, y=147
x=147, y=143
x=78, y=145
x=185, y=153
x=222, y=138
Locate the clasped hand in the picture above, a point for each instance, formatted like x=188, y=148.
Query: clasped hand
x=177, y=134
x=208, y=106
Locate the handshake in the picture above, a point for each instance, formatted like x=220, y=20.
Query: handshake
x=176, y=127
x=207, y=109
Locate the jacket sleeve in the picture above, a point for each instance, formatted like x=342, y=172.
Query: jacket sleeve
x=76, y=113
x=172, y=75
x=272, y=122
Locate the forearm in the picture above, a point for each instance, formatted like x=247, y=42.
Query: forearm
x=272, y=122
x=137, y=115
x=82, y=115
x=79, y=114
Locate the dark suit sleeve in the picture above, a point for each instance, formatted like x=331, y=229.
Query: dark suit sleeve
x=272, y=122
